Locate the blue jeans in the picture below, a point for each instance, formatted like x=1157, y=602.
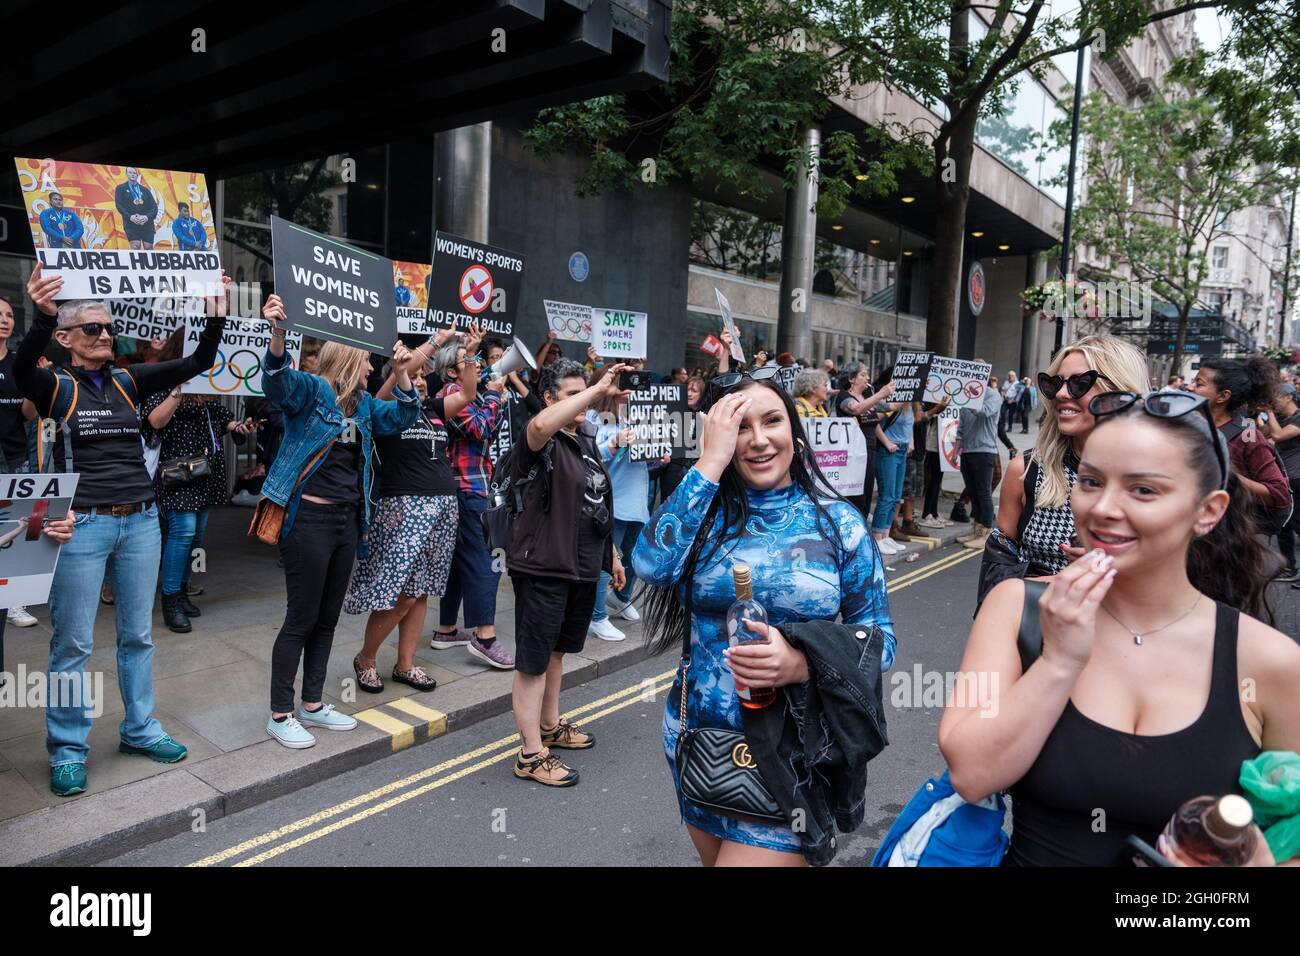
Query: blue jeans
x=625, y=535
x=891, y=468
x=184, y=534
x=133, y=542
x=472, y=577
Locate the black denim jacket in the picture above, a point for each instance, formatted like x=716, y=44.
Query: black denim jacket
x=813, y=745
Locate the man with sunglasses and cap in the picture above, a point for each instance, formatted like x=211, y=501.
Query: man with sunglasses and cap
x=91, y=409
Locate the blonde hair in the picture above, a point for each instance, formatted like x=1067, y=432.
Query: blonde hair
x=340, y=366
x=1122, y=367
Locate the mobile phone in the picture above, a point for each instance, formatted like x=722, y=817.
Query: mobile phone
x=1144, y=854
x=1263, y=417
x=632, y=380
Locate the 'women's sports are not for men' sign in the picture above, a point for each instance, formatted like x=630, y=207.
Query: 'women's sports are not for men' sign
x=618, y=333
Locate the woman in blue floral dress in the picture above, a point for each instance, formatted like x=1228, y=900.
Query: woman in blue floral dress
x=751, y=498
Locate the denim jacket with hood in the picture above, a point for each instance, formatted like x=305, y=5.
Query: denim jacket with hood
x=312, y=418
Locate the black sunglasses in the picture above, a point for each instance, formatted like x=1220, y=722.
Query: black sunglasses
x=1076, y=385
x=1164, y=405
x=95, y=329
x=719, y=385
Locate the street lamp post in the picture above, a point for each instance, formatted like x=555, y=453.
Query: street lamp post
x=1062, y=322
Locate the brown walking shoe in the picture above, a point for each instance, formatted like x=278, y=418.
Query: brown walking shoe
x=567, y=736
x=545, y=769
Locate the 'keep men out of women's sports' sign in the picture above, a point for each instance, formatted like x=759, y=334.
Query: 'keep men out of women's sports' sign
x=662, y=420
x=473, y=282
x=926, y=377
x=332, y=290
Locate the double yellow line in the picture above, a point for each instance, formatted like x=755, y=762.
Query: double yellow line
x=345, y=814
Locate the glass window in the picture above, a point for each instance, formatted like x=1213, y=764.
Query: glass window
x=1220, y=257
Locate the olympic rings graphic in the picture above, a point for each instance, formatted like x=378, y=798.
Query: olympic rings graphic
x=240, y=377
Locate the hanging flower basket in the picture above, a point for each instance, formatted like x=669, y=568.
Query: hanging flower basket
x=1055, y=298
x=1282, y=354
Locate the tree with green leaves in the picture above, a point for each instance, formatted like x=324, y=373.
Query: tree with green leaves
x=1164, y=179
x=295, y=192
x=747, y=76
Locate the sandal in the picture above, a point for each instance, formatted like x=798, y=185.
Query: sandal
x=416, y=677
x=106, y=594
x=367, y=678
x=193, y=590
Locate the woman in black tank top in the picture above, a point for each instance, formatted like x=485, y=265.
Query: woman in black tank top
x=1131, y=706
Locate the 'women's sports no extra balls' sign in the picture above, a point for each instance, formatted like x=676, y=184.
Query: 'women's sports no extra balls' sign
x=618, y=333
x=474, y=282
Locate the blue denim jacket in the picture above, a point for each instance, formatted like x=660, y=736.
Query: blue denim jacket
x=312, y=417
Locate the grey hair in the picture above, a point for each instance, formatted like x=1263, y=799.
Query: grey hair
x=808, y=379
x=556, y=372
x=70, y=312
x=446, y=357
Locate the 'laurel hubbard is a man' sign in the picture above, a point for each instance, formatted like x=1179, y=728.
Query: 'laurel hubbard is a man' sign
x=332, y=290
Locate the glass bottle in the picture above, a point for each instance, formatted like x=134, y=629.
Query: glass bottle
x=1212, y=831
x=746, y=608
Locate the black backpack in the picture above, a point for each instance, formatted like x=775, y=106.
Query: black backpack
x=508, y=495
x=1269, y=520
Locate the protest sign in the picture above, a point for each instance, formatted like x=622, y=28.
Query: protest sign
x=120, y=231
x=28, y=557
x=238, y=368
x=569, y=321
x=787, y=375
x=474, y=282
x=841, y=452
x=657, y=413
x=737, y=352
x=333, y=291
x=910, y=371
x=411, y=296
x=619, y=333
x=712, y=346
x=949, y=459
x=136, y=319
x=961, y=381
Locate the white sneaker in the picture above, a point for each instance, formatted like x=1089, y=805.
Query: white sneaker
x=19, y=617
x=620, y=609
x=888, y=546
x=930, y=523
x=245, y=499
x=605, y=630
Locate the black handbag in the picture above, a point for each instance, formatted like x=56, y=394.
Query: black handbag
x=1001, y=562
x=715, y=769
x=186, y=470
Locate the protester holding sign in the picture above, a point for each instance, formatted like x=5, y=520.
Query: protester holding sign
x=559, y=547
x=322, y=479
x=191, y=479
x=857, y=399
x=977, y=430
x=474, y=573
x=15, y=412
x=97, y=427
x=413, y=534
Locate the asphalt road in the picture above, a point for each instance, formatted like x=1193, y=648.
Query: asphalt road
x=455, y=802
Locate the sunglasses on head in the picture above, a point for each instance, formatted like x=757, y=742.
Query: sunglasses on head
x=719, y=385
x=95, y=329
x=1076, y=386
x=1164, y=405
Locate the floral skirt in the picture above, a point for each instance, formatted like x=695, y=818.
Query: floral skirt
x=411, y=541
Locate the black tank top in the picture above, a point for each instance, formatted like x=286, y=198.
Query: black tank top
x=1137, y=780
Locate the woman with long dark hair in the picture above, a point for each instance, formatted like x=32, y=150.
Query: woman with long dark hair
x=754, y=496
x=1114, y=712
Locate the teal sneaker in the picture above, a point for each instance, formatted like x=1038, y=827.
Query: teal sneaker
x=290, y=733
x=164, y=751
x=68, y=779
x=327, y=717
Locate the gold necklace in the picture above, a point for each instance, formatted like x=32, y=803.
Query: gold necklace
x=1137, y=638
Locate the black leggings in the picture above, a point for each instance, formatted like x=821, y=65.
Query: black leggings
x=1287, y=536
x=318, y=554
x=977, y=469
x=933, y=484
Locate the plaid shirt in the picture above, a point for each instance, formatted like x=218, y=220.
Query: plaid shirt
x=469, y=436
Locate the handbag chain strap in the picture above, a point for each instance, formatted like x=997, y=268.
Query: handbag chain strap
x=686, y=661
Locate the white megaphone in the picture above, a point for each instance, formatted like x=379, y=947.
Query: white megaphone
x=515, y=358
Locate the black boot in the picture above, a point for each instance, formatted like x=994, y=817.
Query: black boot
x=173, y=616
x=959, y=513
x=186, y=605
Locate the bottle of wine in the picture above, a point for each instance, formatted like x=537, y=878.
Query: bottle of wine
x=746, y=608
x=1212, y=831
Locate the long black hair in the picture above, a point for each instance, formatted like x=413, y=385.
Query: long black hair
x=1252, y=381
x=665, y=613
x=1229, y=564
